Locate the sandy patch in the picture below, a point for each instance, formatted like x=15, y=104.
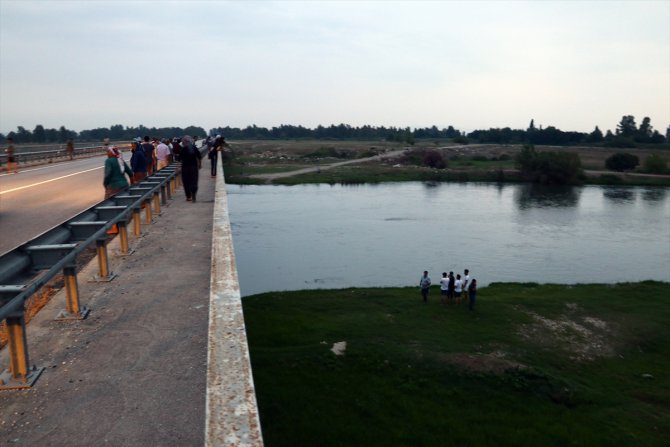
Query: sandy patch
x=339, y=347
x=582, y=338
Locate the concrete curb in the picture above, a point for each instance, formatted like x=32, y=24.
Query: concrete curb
x=231, y=409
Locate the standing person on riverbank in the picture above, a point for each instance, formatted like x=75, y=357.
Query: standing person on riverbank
x=444, y=288
x=424, y=283
x=466, y=283
x=191, y=160
x=472, y=294
x=458, y=288
x=450, y=289
x=11, y=160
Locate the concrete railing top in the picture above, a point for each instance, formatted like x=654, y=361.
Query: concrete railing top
x=232, y=413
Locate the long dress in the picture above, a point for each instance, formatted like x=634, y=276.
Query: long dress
x=190, y=164
x=114, y=180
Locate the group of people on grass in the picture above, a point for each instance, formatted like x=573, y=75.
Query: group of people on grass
x=453, y=290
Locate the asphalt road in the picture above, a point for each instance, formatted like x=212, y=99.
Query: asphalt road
x=41, y=197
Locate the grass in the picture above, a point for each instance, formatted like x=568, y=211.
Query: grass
x=488, y=163
x=546, y=365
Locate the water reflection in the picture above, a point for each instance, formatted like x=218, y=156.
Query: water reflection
x=656, y=195
x=313, y=237
x=546, y=196
x=619, y=195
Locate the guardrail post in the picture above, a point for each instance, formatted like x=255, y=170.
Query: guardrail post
x=19, y=374
x=123, y=237
x=104, y=275
x=72, y=310
x=173, y=184
x=163, y=194
x=147, y=211
x=137, y=224
x=157, y=203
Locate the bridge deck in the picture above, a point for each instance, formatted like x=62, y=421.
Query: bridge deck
x=135, y=371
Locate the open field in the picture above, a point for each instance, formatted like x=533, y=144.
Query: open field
x=260, y=161
x=547, y=365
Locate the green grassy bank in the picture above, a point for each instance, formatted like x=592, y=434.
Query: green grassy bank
x=534, y=365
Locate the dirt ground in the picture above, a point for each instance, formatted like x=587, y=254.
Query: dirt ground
x=269, y=152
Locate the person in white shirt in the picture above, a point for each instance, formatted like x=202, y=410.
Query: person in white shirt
x=458, y=289
x=444, y=288
x=466, y=283
x=162, y=155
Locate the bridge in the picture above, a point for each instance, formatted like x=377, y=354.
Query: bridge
x=161, y=359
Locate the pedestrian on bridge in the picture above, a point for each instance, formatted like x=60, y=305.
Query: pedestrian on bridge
x=114, y=180
x=138, y=163
x=11, y=160
x=191, y=161
x=148, y=149
x=162, y=154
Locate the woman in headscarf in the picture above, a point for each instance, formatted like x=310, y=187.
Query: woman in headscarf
x=138, y=163
x=191, y=160
x=114, y=180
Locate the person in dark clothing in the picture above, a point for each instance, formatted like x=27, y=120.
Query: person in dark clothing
x=148, y=149
x=191, y=160
x=452, y=287
x=212, y=154
x=138, y=163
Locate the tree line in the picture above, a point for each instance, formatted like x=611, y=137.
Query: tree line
x=116, y=132
x=627, y=134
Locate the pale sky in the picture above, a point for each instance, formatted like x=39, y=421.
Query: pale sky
x=473, y=65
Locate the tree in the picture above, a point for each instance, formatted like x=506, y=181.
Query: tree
x=549, y=167
x=622, y=161
x=627, y=127
x=531, y=127
x=39, y=135
x=596, y=136
x=645, y=131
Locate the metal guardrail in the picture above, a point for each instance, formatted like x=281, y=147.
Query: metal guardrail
x=47, y=152
x=26, y=269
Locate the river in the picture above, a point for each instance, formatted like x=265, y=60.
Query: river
x=322, y=236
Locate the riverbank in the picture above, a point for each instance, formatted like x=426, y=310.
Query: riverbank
x=533, y=365
x=337, y=162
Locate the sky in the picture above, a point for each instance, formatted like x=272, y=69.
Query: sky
x=473, y=65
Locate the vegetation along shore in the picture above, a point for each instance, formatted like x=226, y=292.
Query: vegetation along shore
x=532, y=365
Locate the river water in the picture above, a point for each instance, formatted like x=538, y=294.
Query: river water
x=322, y=236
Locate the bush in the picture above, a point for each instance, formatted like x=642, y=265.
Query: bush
x=655, y=164
x=461, y=140
x=433, y=159
x=558, y=168
x=622, y=161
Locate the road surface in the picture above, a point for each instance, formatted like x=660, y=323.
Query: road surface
x=41, y=197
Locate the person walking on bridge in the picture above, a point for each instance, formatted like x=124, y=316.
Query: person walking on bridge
x=162, y=155
x=114, y=180
x=138, y=163
x=148, y=149
x=191, y=160
x=11, y=160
